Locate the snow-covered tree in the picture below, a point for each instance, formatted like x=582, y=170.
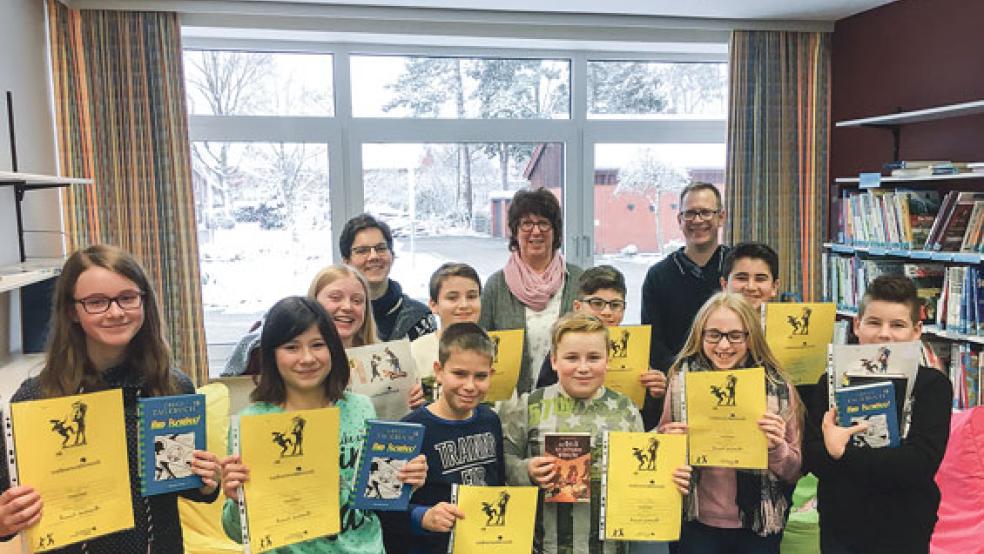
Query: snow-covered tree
x=624, y=88
x=650, y=176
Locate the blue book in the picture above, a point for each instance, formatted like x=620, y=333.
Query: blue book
x=875, y=404
x=170, y=429
x=387, y=447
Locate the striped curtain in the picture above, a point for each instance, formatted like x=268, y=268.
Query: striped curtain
x=121, y=120
x=777, y=188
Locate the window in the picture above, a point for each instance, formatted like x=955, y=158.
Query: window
x=435, y=140
x=449, y=202
x=264, y=230
x=476, y=88
x=258, y=83
x=638, y=89
x=645, y=174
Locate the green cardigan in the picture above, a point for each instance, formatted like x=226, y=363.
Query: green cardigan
x=502, y=311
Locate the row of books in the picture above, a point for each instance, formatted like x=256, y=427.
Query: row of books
x=912, y=220
x=845, y=280
x=962, y=361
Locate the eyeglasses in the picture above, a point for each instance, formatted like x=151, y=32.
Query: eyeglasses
x=101, y=304
x=526, y=225
x=705, y=215
x=598, y=304
x=714, y=336
x=381, y=249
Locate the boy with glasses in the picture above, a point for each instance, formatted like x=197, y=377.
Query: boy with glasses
x=601, y=293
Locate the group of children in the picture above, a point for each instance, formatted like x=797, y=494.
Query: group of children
x=107, y=333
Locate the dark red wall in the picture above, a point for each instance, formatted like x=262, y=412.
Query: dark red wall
x=909, y=54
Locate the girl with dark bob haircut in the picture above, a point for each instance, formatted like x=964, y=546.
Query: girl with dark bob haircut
x=287, y=319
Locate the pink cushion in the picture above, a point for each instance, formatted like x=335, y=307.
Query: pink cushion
x=961, y=480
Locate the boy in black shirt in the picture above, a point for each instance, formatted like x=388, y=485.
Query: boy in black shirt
x=462, y=442
x=881, y=500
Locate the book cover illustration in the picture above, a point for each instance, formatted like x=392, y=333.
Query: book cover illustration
x=895, y=361
x=628, y=359
x=384, y=372
x=798, y=334
x=293, y=491
x=722, y=412
x=505, y=364
x=499, y=518
x=72, y=450
x=873, y=404
x=388, y=446
x=171, y=428
x=572, y=452
x=639, y=501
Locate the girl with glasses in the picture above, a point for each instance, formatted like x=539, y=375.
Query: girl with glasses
x=106, y=333
x=732, y=510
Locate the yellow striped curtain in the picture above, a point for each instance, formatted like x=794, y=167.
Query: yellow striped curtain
x=777, y=149
x=121, y=120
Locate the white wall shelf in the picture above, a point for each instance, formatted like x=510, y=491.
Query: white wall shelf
x=855, y=180
x=917, y=116
x=15, y=370
x=32, y=271
x=23, y=182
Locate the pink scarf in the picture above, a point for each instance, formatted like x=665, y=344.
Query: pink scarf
x=530, y=288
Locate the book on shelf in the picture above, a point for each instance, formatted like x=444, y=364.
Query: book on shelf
x=928, y=278
x=875, y=405
x=386, y=448
x=169, y=431
x=572, y=454
x=956, y=219
x=964, y=369
x=912, y=164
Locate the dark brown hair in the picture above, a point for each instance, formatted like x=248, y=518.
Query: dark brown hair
x=451, y=269
x=538, y=201
x=892, y=288
x=696, y=186
x=464, y=335
x=285, y=320
x=67, y=368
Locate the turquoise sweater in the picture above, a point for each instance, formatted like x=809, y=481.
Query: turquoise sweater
x=361, y=533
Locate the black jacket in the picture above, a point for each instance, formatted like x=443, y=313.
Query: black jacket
x=673, y=292
x=397, y=315
x=883, y=500
x=155, y=518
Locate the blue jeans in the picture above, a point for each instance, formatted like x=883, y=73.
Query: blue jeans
x=697, y=538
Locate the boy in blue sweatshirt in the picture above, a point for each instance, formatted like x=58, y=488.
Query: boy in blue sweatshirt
x=462, y=442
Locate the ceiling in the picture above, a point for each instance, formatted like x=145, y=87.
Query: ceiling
x=805, y=10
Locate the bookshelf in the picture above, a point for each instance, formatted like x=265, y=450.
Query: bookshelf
x=884, y=229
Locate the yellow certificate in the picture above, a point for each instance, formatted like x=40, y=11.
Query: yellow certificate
x=639, y=500
x=722, y=412
x=628, y=358
x=798, y=334
x=293, y=488
x=72, y=450
x=497, y=519
x=506, y=364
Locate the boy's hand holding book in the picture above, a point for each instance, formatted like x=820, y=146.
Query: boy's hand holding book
x=681, y=478
x=440, y=518
x=414, y=473
x=542, y=470
x=835, y=437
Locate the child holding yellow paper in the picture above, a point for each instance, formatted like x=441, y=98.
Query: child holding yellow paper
x=741, y=509
x=578, y=402
x=107, y=333
x=304, y=366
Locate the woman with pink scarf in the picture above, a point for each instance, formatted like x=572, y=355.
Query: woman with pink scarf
x=537, y=286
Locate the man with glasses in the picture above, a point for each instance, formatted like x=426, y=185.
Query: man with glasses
x=677, y=286
x=366, y=244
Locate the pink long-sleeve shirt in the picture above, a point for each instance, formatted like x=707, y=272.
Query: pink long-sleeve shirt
x=718, y=487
